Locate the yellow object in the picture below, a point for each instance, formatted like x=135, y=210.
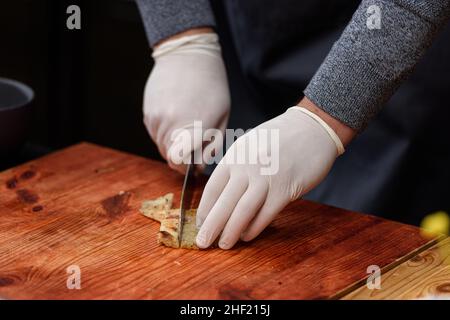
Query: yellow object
x=435, y=224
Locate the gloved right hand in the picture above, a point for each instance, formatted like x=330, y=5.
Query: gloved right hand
x=188, y=83
x=280, y=160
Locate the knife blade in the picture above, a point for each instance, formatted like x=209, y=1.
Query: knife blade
x=186, y=195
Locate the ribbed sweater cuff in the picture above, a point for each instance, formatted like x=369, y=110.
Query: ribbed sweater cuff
x=163, y=18
x=350, y=90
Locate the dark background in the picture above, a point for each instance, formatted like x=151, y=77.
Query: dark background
x=88, y=83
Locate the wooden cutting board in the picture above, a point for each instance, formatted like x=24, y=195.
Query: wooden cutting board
x=79, y=208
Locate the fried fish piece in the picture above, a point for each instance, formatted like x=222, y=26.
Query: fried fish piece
x=169, y=230
x=160, y=209
x=157, y=208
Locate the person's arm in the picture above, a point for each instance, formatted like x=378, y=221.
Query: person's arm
x=163, y=19
x=361, y=72
x=188, y=82
x=365, y=66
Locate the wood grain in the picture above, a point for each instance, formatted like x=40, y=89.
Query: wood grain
x=425, y=276
x=79, y=206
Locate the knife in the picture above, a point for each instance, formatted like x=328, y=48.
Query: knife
x=186, y=195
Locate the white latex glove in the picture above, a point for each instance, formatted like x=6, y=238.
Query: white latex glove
x=188, y=83
x=239, y=202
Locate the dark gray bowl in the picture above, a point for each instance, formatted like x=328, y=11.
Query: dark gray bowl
x=15, y=115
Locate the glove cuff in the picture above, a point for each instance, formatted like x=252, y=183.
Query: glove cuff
x=203, y=43
x=339, y=146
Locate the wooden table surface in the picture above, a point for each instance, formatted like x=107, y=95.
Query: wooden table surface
x=424, y=276
x=80, y=207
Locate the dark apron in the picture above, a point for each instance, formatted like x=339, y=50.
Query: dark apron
x=399, y=167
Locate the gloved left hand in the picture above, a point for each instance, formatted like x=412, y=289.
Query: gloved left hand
x=188, y=84
x=242, y=196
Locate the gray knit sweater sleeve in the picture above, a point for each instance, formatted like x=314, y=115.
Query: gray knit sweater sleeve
x=164, y=18
x=366, y=65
